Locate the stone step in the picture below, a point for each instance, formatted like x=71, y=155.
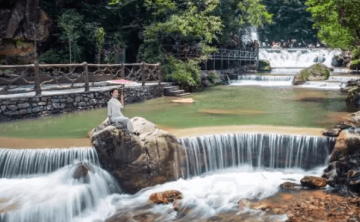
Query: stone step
x=180, y=91
x=182, y=94
x=169, y=89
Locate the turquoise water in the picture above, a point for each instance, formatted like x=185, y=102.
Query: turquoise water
x=216, y=106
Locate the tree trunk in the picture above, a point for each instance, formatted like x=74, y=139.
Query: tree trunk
x=70, y=49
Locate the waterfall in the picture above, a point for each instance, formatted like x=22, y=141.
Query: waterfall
x=216, y=152
x=342, y=78
x=262, y=80
x=37, y=185
x=16, y=162
x=265, y=78
x=297, y=57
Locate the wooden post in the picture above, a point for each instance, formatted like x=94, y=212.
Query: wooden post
x=228, y=55
x=160, y=74
x=122, y=95
x=86, y=77
x=143, y=73
x=37, y=86
x=206, y=64
x=122, y=70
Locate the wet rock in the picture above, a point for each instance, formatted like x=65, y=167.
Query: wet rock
x=137, y=162
x=315, y=72
x=264, y=65
x=82, y=171
x=165, y=197
x=346, y=144
x=334, y=132
x=313, y=182
x=246, y=203
x=290, y=186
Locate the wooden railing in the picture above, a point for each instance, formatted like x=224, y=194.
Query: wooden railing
x=11, y=76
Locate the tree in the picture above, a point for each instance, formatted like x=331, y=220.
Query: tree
x=100, y=38
x=338, y=22
x=290, y=20
x=71, y=23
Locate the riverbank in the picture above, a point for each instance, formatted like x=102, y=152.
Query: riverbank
x=35, y=143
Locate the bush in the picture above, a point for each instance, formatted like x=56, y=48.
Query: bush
x=187, y=74
x=53, y=56
x=213, y=77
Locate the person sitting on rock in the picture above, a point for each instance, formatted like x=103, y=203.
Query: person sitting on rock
x=114, y=113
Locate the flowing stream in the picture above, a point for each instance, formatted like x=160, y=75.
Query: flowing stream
x=38, y=184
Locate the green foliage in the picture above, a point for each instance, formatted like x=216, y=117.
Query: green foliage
x=290, y=20
x=356, y=53
x=100, y=37
x=53, y=56
x=337, y=21
x=187, y=74
x=71, y=23
x=213, y=77
x=264, y=65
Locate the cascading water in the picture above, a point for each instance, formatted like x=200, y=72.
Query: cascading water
x=263, y=80
x=16, y=162
x=226, y=168
x=216, y=152
x=42, y=187
x=223, y=169
x=297, y=57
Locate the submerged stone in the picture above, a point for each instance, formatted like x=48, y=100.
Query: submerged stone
x=165, y=197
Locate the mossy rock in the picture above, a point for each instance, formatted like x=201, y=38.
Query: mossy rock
x=355, y=65
x=264, y=65
x=317, y=72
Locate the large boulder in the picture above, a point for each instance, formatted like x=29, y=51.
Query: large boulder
x=315, y=72
x=264, y=65
x=343, y=171
x=346, y=144
x=313, y=182
x=152, y=158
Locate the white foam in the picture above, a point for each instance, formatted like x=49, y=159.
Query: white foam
x=299, y=58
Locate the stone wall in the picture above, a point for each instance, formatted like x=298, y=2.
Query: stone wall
x=27, y=107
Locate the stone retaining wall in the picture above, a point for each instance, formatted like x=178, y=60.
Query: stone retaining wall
x=22, y=107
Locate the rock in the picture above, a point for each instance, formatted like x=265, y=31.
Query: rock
x=23, y=111
x=177, y=205
x=82, y=104
x=246, y=203
x=185, y=100
x=315, y=72
x=346, y=144
x=264, y=65
x=354, y=65
x=319, y=59
x=334, y=132
x=290, y=186
x=337, y=61
x=313, y=182
x=23, y=105
x=137, y=162
x=13, y=108
x=42, y=103
x=92, y=101
x=165, y=197
x=82, y=171
x=69, y=100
